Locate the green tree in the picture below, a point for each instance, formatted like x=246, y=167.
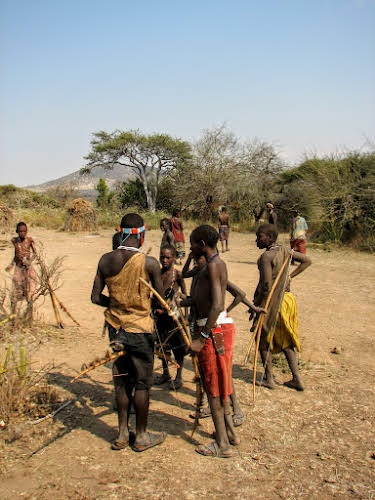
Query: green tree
x=337, y=194
x=150, y=156
x=132, y=193
x=105, y=196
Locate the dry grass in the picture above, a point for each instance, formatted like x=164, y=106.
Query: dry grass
x=6, y=218
x=24, y=393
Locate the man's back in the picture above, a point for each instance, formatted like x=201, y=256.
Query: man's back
x=129, y=300
x=224, y=219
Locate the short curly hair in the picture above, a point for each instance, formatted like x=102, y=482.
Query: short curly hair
x=205, y=233
x=270, y=230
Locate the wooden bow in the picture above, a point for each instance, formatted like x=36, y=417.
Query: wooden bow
x=187, y=339
x=258, y=329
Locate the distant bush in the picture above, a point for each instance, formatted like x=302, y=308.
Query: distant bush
x=110, y=218
x=337, y=196
x=50, y=218
x=16, y=197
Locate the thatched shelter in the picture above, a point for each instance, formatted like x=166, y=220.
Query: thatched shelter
x=6, y=218
x=81, y=216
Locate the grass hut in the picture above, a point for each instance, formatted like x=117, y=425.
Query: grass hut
x=6, y=218
x=81, y=216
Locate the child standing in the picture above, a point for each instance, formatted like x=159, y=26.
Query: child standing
x=25, y=279
x=167, y=330
x=168, y=238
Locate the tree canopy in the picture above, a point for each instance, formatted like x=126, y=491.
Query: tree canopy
x=150, y=156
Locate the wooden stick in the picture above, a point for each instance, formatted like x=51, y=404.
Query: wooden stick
x=51, y=414
x=257, y=336
x=66, y=310
x=247, y=357
x=60, y=324
x=51, y=292
x=161, y=355
x=102, y=362
x=54, y=297
x=169, y=311
x=261, y=319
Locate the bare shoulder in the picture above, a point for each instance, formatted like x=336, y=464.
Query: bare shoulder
x=217, y=266
x=267, y=256
x=301, y=257
x=151, y=263
x=107, y=258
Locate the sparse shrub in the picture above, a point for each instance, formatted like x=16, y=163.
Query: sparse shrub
x=24, y=393
x=24, y=198
x=6, y=218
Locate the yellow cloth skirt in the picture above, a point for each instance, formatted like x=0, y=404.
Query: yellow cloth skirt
x=286, y=329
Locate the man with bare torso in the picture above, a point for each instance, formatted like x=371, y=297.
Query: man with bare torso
x=130, y=327
x=280, y=327
x=213, y=342
x=223, y=226
x=238, y=297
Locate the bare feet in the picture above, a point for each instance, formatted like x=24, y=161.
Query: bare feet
x=269, y=384
x=203, y=413
x=175, y=384
x=123, y=442
x=295, y=384
x=233, y=439
x=162, y=379
x=238, y=419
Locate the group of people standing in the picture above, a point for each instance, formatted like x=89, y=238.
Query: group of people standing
x=135, y=321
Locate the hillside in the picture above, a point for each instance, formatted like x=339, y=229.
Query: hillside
x=85, y=184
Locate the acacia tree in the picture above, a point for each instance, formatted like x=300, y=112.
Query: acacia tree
x=150, y=156
x=226, y=170
x=254, y=179
x=202, y=185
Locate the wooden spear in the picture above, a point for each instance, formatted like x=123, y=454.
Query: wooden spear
x=258, y=330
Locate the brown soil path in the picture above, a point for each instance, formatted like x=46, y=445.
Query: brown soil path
x=316, y=444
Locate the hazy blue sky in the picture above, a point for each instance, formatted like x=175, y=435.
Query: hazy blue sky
x=299, y=73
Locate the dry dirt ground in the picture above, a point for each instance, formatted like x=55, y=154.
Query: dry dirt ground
x=315, y=444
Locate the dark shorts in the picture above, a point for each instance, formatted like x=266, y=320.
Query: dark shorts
x=172, y=341
x=138, y=362
x=180, y=249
